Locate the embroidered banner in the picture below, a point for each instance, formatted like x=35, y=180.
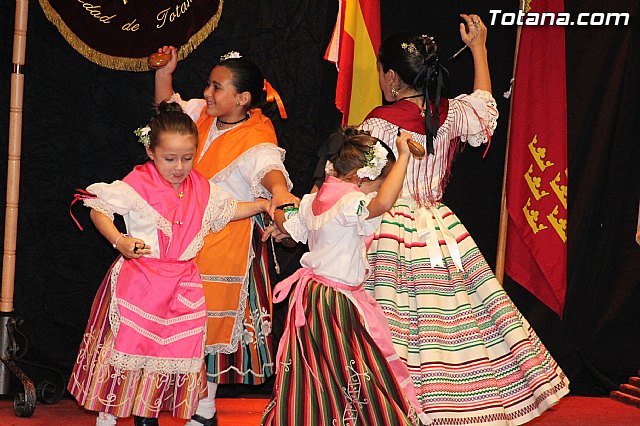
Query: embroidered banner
x=121, y=34
x=537, y=175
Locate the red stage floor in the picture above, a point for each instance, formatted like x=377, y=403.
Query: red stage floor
x=571, y=411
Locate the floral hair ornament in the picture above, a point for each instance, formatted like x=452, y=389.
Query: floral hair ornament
x=143, y=135
x=328, y=169
x=410, y=47
x=230, y=55
x=375, y=160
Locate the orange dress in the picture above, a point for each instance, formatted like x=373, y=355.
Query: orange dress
x=233, y=261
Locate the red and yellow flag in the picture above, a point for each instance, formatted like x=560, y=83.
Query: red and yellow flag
x=354, y=48
x=537, y=175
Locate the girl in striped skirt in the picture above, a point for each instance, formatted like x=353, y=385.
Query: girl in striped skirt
x=142, y=351
x=336, y=363
x=473, y=358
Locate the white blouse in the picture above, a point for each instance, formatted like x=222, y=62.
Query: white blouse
x=336, y=238
x=143, y=221
x=469, y=117
x=242, y=178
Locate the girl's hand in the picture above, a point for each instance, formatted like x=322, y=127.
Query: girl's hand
x=279, y=198
x=401, y=143
x=477, y=35
x=265, y=204
x=173, y=62
x=273, y=231
x=132, y=248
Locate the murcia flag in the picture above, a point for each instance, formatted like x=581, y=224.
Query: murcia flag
x=354, y=48
x=536, y=255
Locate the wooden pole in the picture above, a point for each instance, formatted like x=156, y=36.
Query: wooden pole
x=504, y=214
x=13, y=168
x=24, y=403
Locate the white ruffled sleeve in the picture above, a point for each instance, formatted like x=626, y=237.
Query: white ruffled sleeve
x=296, y=225
x=220, y=209
x=111, y=198
x=257, y=162
x=354, y=212
x=475, y=117
x=193, y=107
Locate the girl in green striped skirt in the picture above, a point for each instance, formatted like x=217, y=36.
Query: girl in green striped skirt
x=336, y=363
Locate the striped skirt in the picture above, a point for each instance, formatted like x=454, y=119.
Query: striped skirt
x=252, y=363
x=472, y=356
x=98, y=386
x=332, y=372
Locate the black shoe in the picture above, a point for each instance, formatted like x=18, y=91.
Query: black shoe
x=145, y=421
x=213, y=421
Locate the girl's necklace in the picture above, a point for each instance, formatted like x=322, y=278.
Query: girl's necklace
x=221, y=122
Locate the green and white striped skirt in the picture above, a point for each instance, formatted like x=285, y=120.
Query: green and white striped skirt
x=473, y=358
x=331, y=371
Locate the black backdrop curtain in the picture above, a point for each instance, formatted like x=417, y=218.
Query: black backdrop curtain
x=79, y=118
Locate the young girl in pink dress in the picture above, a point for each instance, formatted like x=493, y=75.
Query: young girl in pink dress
x=143, y=348
x=336, y=363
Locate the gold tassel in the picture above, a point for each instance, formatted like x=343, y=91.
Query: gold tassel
x=122, y=63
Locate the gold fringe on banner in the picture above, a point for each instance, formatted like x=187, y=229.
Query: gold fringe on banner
x=122, y=63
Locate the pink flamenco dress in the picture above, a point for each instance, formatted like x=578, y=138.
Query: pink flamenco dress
x=143, y=348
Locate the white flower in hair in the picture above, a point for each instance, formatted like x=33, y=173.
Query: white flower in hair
x=376, y=159
x=143, y=135
x=328, y=169
x=230, y=55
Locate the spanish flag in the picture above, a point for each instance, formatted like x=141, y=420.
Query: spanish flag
x=537, y=175
x=354, y=48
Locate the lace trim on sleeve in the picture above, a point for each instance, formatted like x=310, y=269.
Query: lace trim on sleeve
x=353, y=207
x=257, y=151
x=297, y=228
x=219, y=217
x=487, y=119
x=99, y=205
x=356, y=211
x=258, y=190
x=219, y=211
x=120, y=198
x=368, y=227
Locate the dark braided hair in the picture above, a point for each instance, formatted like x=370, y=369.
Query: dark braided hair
x=170, y=118
x=415, y=59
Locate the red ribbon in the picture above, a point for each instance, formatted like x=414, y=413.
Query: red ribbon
x=82, y=194
x=272, y=96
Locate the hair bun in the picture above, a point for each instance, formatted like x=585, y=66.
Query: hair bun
x=431, y=49
x=164, y=107
x=351, y=131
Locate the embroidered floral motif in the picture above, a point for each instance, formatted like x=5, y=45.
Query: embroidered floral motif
x=260, y=327
x=286, y=365
x=265, y=328
x=247, y=337
x=352, y=394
